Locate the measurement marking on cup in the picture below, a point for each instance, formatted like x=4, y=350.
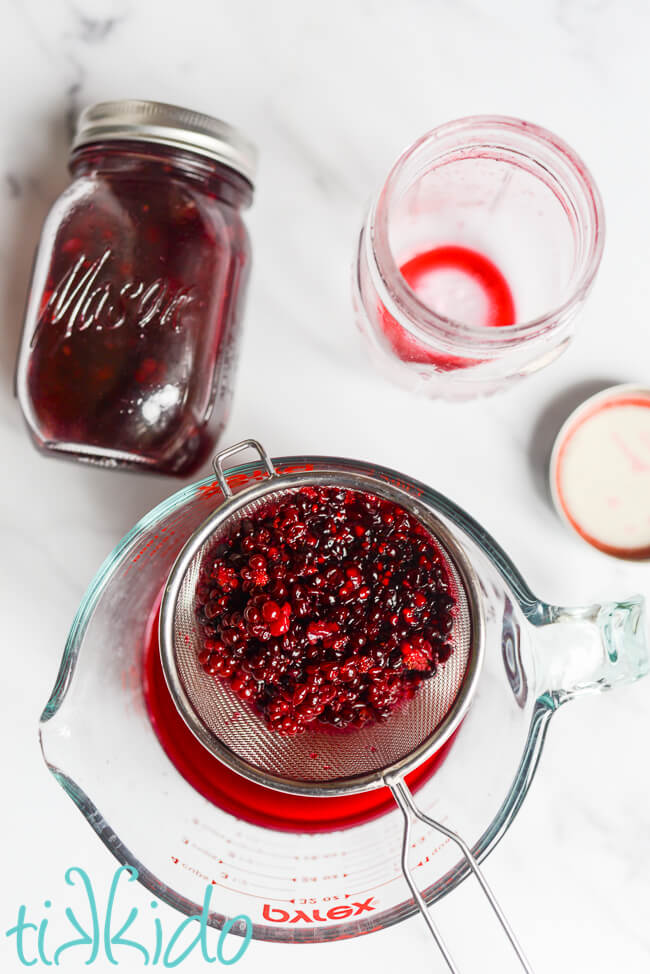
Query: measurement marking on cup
x=231, y=889
x=272, y=895
x=371, y=889
x=235, y=866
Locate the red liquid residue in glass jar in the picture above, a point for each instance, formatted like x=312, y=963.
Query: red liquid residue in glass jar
x=481, y=274
x=242, y=798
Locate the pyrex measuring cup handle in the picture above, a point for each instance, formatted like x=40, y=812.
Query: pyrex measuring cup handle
x=217, y=463
x=409, y=809
x=590, y=648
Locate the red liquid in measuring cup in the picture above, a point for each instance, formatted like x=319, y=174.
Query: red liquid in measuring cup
x=425, y=273
x=242, y=798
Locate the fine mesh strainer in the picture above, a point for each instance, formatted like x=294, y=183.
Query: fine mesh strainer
x=324, y=762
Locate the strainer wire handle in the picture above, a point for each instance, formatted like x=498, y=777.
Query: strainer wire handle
x=409, y=809
x=217, y=463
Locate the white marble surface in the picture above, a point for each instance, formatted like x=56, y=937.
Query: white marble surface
x=331, y=93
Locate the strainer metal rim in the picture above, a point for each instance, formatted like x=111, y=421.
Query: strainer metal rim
x=352, y=481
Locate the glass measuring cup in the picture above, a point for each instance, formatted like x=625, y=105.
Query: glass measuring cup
x=295, y=884
x=476, y=255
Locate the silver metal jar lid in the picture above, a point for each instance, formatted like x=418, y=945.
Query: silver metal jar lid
x=154, y=121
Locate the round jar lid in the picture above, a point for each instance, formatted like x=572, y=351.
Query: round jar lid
x=154, y=121
x=600, y=471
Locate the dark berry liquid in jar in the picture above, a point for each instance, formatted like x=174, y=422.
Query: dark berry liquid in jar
x=131, y=332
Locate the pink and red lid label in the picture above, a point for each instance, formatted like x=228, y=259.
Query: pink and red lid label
x=600, y=472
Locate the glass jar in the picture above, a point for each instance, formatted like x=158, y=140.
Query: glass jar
x=475, y=256
x=131, y=329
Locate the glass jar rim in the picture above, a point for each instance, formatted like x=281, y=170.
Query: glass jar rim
x=400, y=299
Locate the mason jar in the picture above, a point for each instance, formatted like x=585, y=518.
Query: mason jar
x=132, y=323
